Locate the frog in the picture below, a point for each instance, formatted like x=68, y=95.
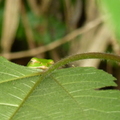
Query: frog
x=40, y=63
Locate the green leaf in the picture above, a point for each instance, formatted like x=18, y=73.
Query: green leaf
x=113, y=9
x=66, y=94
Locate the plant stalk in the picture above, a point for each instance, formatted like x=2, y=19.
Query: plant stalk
x=90, y=55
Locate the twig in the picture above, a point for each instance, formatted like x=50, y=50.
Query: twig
x=53, y=45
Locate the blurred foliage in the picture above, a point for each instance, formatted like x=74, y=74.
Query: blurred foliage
x=1, y=17
x=46, y=27
x=112, y=9
x=45, y=30
x=33, y=24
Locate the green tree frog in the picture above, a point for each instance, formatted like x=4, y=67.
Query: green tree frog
x=39, y=63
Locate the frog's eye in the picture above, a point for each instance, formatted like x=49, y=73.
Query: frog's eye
x=34, y=61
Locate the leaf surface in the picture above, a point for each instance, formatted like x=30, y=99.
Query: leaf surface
x=67, y=94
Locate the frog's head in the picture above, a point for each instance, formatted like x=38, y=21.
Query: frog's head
x=40, y=63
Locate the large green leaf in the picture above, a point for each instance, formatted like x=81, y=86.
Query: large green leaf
x=66, y=94
x=113, y=10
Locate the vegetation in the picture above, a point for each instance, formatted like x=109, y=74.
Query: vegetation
x=55, y=29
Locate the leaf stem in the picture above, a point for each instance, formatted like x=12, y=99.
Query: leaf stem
x=90, y=55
